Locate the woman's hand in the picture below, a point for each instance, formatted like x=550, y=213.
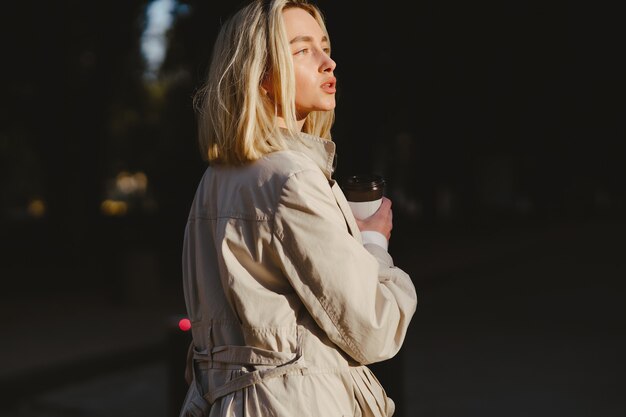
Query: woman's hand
x=381, y=221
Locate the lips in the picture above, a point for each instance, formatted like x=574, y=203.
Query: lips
x=330, y=85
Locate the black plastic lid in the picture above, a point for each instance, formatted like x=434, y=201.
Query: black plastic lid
x=365, y=182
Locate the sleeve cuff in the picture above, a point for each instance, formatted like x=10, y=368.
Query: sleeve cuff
x=377, y=238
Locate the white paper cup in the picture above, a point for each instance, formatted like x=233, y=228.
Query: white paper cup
x=364, y=209
x=365, y=195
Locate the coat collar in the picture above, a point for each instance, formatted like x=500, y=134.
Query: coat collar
x=321, y=151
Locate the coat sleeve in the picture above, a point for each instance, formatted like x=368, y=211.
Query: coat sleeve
x=355, y=293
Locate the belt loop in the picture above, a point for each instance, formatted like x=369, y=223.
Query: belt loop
x=210, y=341
x=190, y=364
x=299, y=337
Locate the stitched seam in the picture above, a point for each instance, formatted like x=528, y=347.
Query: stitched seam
x=344, y=334
x=238, y=216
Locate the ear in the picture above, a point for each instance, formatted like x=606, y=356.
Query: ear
x=266, y=85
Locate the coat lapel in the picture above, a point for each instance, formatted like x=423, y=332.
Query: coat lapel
x=353, y=228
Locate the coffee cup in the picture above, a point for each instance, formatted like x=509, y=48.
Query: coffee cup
x=364, y=194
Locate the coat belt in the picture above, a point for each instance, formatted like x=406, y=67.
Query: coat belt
x=281, y=364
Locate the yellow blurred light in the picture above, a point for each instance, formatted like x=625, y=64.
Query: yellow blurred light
x=36, y=207
x=129, y=183
x=114, y=207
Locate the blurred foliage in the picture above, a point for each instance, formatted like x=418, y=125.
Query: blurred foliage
x=72, y=68
x=72, y=86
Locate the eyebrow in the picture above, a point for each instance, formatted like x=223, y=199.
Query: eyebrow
x=305, y=38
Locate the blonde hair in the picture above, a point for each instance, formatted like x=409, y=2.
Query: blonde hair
x=236, y=118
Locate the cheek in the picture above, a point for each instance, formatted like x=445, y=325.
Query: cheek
x=304, y=86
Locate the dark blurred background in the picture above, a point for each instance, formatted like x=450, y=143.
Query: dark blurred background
x=500, y=127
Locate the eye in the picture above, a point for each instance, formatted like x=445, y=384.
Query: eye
x=327, y=51
x=302, y=51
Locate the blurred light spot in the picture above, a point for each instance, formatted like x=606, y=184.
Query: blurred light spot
x=36, y=207
x=159, y=18
x=184, y=325
x=114, y=207
x=127, y=183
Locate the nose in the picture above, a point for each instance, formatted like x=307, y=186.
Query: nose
x=328, y=65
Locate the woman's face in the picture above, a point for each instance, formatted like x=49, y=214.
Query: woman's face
x=315, y=82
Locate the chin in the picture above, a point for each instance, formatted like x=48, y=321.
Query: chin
x=327, y=106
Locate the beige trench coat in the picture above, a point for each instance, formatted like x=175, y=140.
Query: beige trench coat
x=286, y=303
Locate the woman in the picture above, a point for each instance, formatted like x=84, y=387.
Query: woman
x=287, y=302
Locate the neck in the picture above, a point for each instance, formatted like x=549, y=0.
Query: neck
x=281, y=123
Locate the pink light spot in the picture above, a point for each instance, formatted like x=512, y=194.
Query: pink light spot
x=184, y=325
